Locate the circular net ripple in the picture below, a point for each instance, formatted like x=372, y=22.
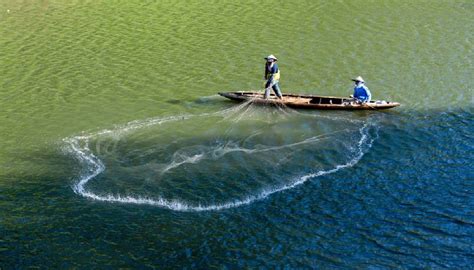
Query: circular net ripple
x=216, y=160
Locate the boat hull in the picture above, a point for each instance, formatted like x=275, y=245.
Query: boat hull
x=309, y=101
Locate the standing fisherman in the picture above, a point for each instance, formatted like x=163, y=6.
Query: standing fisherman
x=272, y=76
x=361, y=92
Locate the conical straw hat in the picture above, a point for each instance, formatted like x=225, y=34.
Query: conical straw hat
x=271, y=56
x=358, y=79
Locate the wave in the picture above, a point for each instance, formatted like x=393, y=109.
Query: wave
x=78, y=146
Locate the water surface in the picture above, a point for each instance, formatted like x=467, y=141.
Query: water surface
x=116, y=151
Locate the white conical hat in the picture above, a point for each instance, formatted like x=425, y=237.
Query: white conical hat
x=358, y=79
x=271, y=56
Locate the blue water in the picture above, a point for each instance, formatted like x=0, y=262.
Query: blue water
x=116, y=152
x=407, y=202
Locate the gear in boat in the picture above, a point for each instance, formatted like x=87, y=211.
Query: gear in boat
x=311, y=101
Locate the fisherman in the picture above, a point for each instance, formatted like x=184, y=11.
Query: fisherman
x=272, y=76
x=361, y=92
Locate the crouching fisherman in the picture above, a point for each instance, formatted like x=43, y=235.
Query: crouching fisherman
x=361, y=92
x=272, y=76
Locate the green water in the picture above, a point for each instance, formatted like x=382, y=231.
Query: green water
x=78, y=67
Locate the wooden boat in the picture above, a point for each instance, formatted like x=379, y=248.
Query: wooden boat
x=310, y=101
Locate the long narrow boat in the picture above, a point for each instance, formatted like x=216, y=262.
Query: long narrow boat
x=310, y=101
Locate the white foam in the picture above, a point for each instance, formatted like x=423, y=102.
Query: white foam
x=222, y=150
x=78, y=146
x=191, y=159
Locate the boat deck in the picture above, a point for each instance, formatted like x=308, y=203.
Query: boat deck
x=310, y=101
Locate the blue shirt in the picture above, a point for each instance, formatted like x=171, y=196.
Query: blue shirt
x=362, y=93
x=270, y=71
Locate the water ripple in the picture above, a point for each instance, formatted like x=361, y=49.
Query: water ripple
x=79, y=147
